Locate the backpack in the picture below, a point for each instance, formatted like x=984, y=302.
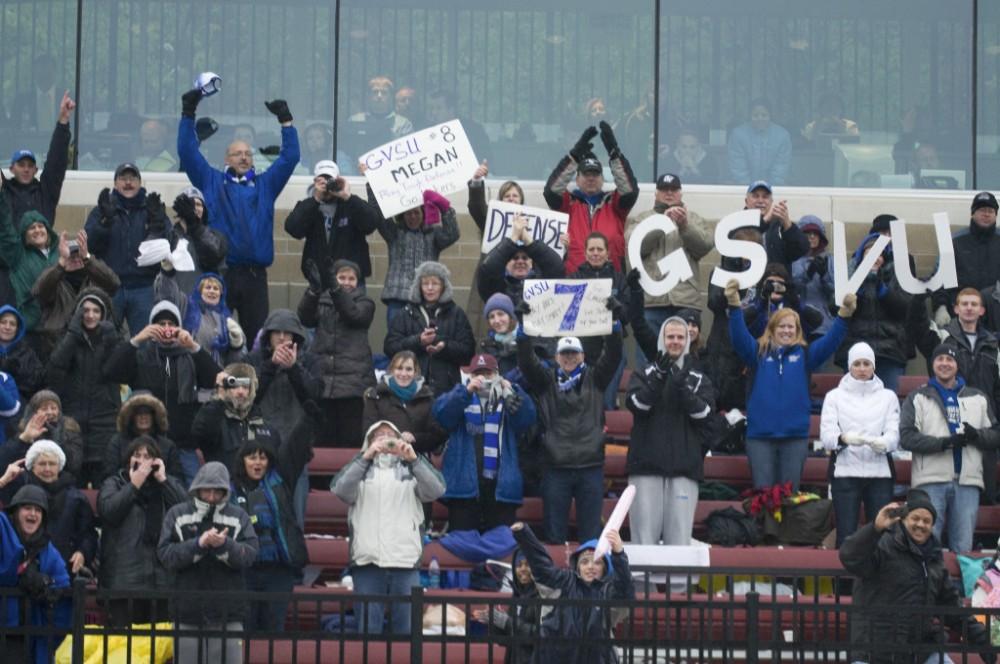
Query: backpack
x=730, y=527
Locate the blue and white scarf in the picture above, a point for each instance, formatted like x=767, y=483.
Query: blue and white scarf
x=567, y=381
x=489, y=425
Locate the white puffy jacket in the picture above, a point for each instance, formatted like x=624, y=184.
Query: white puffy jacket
x=865, y=408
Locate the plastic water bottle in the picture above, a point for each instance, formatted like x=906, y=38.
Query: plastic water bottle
x=434, y=573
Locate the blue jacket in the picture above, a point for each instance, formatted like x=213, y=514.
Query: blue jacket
x=779, y=403
x=243, y=212
x=459, y=468
x=50, y=564
x=10, y=402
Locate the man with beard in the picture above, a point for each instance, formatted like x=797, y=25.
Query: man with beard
x=225, y=423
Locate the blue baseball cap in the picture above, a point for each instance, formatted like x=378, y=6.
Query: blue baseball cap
x=22, y=154
x=760, y=184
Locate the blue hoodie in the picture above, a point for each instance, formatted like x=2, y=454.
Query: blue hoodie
x=197, y=307
x=242, y=211
x=779, y=403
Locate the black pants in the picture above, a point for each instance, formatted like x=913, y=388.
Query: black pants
x=340, y=422
x=482, y=513
x=246, y=293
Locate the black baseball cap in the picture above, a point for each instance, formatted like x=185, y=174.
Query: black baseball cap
x=668, y=181
x=590, y=165
x=124, y=168
x=984, y=199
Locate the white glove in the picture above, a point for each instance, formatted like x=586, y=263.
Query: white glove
x=852, y=438
x=942, y=317
x=878, y=445
x=236, y=336
x=734, y=417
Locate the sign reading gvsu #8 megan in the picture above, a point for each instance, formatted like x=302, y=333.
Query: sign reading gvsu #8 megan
x=438, y=158
x=567, y=307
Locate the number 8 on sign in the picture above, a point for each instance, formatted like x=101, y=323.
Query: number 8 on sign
x=568, y=323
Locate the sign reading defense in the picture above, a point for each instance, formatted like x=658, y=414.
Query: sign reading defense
x=567, y=307
x=545, y=226
x=438, y=158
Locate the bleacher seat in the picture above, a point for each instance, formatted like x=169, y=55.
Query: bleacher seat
x=618, y=425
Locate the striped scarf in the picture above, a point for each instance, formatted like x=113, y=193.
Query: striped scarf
x=489, y=425
x=567, y=381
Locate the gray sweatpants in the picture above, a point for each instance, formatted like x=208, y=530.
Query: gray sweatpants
x=663, y=509
x=186, y=647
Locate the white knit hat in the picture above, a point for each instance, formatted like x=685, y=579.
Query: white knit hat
x=43, y=446
x=860, y=351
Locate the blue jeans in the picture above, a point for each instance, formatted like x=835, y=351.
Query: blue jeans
x=559, y=487
x=133, y=304
x=392, y=307
x=611, y=393
x=956, y=507
x=889, y=372
x=189, y=464
x=300, y=498
x=849, y=493
x=373, y=580
x=776, y=460
x=269, y=616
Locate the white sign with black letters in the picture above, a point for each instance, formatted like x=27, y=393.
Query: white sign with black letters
x=545, y=226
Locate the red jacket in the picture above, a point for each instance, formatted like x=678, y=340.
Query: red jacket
x=608, y=216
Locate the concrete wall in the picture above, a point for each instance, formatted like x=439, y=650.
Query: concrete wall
x=856, y=207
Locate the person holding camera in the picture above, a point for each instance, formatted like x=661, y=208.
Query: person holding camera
x=240, y=203
x=224, y=424
x=165, y=360
x=30, y=562
x=776, y=291
x=208, y=543
x=131, y=505
x=59, y=285
x=897, y=564
x=948, y=425
x=116, y=226
x=386, y=485
x=336, y=305
x=812, y=275
x=483, y=418
x=333, y=222
x=433, y=327
x=42, y=419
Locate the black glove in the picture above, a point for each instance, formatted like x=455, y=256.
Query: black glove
x=972, y=436
x=583, y=146
x=313, y=275
x=184, y=207
x=663, y=362
x=331, y=275
x=205, y=128
x=819, y=265
x=107, y=206
x=512, y=403
x=766, y=290
x=34, y=584
x=156, y=222
x=521, y=309
x=280, y=108
x=810, y=270
x=189, y=102
x=609, y=140
x=954, y=441
x=615, y=306
x=632, y=278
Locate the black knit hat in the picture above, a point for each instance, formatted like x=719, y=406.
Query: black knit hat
x=917, y=499
x=944, y=349
x=880, y=224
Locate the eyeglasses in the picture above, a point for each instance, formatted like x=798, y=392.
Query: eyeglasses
x=127, y=177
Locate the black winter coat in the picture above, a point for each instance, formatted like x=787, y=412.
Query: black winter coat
x=220, y=435
x=594, y=346
x=492, y=274
x=573, y=419
x=673, y=427
x=977, y=262
x=725, y=368
x=128, y=556
x=343, y=356
x=351, y=221
x=287, y=398
x=413, y=416
x=42, y=193
x=144, y=368
x=880, y=319
x=65, y=433
x=76, y=374
x=116, y=241
x=21, y=362
x=441, y=370
x=579, y=622
x=784, y=246
x=892, y=576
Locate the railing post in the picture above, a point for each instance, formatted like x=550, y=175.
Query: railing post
x=79, y=597
x=753, y=617
x=417, y=625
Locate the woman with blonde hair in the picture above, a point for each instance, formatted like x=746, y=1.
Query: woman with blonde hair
x=778, y=405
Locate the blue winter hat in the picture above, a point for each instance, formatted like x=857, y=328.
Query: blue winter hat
x=499, y=301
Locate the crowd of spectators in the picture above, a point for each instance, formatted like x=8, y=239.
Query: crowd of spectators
x=217, y=378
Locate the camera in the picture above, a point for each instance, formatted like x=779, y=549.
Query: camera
x=229, y=382
x=898, y=512
x=74, y=247
x=336, y=184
